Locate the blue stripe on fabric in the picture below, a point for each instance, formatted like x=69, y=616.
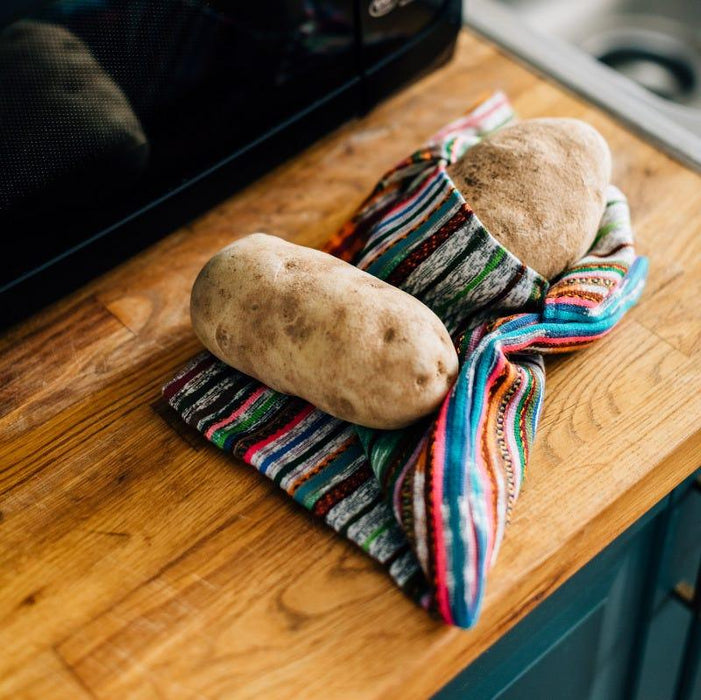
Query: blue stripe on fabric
x=310, y=430
x=538, y=400
x=625, y=296
x=404, y=216
x=409, y=207
x=457, y=458
x=483, y=370
x=385, y=263
x=306, y=492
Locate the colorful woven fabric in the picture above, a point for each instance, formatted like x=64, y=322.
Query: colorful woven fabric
x=430, y=502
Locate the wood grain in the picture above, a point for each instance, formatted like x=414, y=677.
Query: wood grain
x=136, y=560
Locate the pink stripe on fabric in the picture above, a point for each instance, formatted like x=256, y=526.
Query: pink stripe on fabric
x=496, y=371
x=251, y=451
x=511, y=418
x=398, y=210
x=570, y=339
x=572, y=301
x=472, y=120
x=406, y=203
x=438, y=466
x=482, y=467
x=224, y=421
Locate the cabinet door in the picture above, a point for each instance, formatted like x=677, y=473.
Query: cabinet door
x=670, y=622
x=578, y=643
x=664, y=652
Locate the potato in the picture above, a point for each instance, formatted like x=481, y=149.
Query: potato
x=308, y=324
x=540, y=189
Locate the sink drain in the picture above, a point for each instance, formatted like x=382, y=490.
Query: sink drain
x=663, y=63
x=668, y=76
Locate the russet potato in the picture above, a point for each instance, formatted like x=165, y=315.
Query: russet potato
x=308, y=324
x=539, y=187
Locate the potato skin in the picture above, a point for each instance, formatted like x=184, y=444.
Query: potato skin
x=539, y=187
x=308, y=324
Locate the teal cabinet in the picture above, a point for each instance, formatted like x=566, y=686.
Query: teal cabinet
x=617, y=629
x=670, y=662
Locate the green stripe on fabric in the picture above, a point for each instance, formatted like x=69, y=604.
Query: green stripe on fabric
x=308, y=493
x=595, y=268
x=375, y=534
x=220, y=436
x=503, y=122
x=475, y=241
x=520, y=412
x=448, y=148
x=604, y=231
x=401, y=225
x=496, y=258
x=308, y=454
x=538, y=290
x=383, y=451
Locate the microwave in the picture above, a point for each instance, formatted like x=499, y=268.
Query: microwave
x=122, y=119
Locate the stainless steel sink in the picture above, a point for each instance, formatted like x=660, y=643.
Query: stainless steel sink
x=641, y=59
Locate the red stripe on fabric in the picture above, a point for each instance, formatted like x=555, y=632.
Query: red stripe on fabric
x=461, y=124
x=428, y=246
x=353, y=235
x=251, y=451
x=320, y=466
x=172, y=388
x=438, y=464
x=235, y=414
x=342, y=490
x=610, y=252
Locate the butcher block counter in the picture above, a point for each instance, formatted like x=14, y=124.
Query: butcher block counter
x=138, y=561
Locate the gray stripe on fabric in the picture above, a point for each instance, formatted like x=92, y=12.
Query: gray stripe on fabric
x=441, y=258
x=215, y=392
x=404, y=567
x=317, y=456
x=346, y=509
x=387, y=543
x=360, y=531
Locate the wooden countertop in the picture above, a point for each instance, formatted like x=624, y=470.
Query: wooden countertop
x=137, y=560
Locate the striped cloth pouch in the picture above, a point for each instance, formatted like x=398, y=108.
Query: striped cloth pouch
x=430, y=502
